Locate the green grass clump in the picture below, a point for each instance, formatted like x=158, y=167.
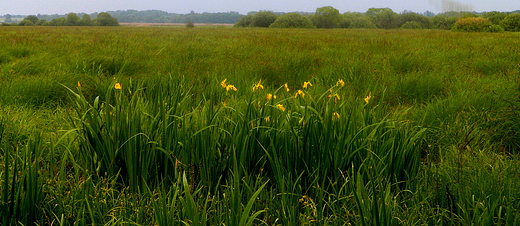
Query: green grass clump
x=212, y=126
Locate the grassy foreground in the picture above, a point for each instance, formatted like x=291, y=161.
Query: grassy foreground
x=212, y=126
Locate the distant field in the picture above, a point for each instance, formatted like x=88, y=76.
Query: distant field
x=158, y=124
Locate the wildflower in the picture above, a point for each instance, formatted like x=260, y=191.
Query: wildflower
x=270, y=96
x=335, y=115
x=306, y=84
x=340, y=83
x=223, y=83
x=299, y=93
x=368, y=97
x=286, y=87
x=281, y=107
x=117, y=86
x=336, y=98
x=79, y=84
x=258, y=86
x=267, y=119
x=231, y=87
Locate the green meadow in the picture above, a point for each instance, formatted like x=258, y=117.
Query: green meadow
x=228, y=126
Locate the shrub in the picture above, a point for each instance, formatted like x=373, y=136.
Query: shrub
x=444, y=22
x=356, y=20
x=362, y=22
x=406, y=16
x=292, y=20
x=190, y=24
x=327, y=17
x=475, y=24
x=495, y=17
x=263, y=19
x=511, y=22
x=26, y=22
x=244, y=21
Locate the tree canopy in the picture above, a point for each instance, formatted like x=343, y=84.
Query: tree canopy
x=327, y=17
x=292, y=20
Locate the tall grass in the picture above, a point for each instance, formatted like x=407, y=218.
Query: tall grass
x=142, y=126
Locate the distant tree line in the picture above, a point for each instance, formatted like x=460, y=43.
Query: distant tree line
x=324, y=17
x=71, y=19
x=158, y=16
x=385, y=18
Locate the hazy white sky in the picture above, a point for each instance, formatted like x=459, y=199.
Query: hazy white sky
x=28, y=7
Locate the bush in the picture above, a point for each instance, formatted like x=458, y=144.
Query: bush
x=356, y=20
x=511, y=22
x=495, y=17
x=292, y=20
x=105, y=19
x=444, y=22
x=421, y=20
x=476, y=24
x=327, y=17
x=26, y=22
x=244, y=21
x=263, y=19
x=190, y=24
x=362, y=22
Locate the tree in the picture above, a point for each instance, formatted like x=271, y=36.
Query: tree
x=244, y=21
x=86, y=20
x=495, y=17
x=58, y=22
x=356, y=20
x=105, y=19
x=72, y=19
x=383, y=17
x=8, y=18
x=26, y=22
x=292, y=20
x=327, y=17
x=408, y=16
x=34, y=19
x=511, y=22
x=263, y=19
x=443, y=21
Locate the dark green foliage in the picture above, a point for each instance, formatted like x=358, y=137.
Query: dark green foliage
x=356, y=20
x=26, y=22
x=511, y=22
x=33, y=19
x=263, y=19
x=85, y=21
x=495, y=17
x=413, y=20
x=326, y=17
x=292, y=20
x=105, y=19
x=444, y=22
x=383, y=18
x=72, y=20
x=245, y=21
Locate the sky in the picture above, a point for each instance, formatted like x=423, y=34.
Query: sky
x=33, y=7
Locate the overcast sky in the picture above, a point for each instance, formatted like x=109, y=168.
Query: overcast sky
x=30, y=7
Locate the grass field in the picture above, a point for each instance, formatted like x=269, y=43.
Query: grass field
x=225, y=126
